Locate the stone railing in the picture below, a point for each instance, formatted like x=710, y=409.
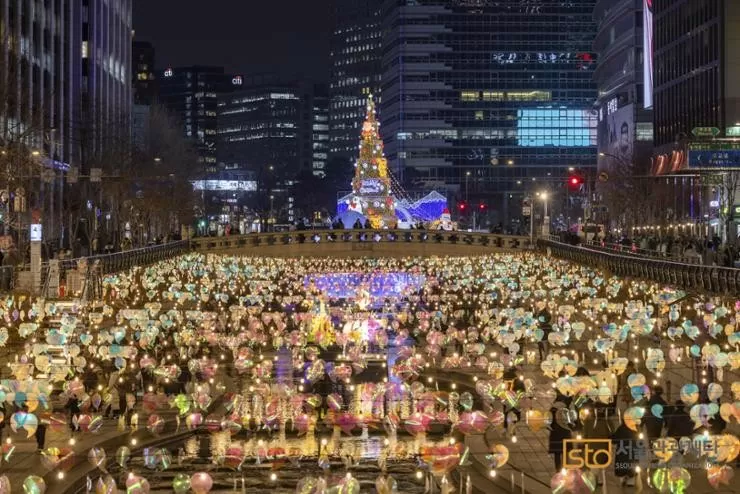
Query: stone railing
x=361, y=242
x=712, y=279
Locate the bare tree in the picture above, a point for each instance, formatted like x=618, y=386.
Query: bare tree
x=727, y=185
x=164, y=164
x=22, y=135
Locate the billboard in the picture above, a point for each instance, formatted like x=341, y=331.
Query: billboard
x=647, y=64
x=616, y=133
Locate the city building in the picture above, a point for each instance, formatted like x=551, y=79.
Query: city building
x=191, y=95
x=355, y=73
x=143, y=75
x=66, y=96
x=73, y=60
x=625, y=129
x=696, y=95
x=319, y=141
x=262, y=126
x=488, y=100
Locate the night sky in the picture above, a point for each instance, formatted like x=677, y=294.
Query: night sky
x=288, y=37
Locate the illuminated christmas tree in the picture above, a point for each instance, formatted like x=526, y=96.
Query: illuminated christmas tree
x=371, y=185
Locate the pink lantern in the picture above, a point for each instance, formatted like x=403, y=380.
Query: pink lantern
x=201, y=483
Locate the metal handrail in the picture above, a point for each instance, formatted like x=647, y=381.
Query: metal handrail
x=361, y=236
x=697, y=277
x=638, y=252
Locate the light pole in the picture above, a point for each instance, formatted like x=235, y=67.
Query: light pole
x=270, y=219
x=546, y=219
x=467, y=176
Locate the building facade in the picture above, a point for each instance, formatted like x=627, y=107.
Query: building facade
x=356, y=71
x=484, y=98
x=319, y=131
x=263, y=127
x=191, y=95
x=625, y=122
x=66, y=73
x=143, y=74
x=696, y=68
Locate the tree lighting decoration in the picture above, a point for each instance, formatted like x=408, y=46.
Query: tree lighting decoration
x=372, y=185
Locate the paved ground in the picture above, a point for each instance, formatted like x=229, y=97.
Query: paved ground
x=531, y=465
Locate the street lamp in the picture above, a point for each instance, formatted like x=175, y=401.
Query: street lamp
x=271, y=219
x=621, y=160
x=467, y=176
x=546, y=219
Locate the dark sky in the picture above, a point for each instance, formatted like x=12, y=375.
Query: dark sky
x=286, y=37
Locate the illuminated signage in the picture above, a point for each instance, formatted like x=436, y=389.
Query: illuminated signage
x=584, y=60
x=713, y=155
x=371, y=186
x=237, y=80
x=169, y=73
x=225, y=185
x=36, y=230
x=733, y=131
x=612, y=106
x=647, y=39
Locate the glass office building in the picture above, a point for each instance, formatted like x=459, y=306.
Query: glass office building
x=355, y=72
x=488, y=100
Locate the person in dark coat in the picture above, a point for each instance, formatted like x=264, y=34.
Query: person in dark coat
x=41, y=434
x=73, y=405
x=624, y=444
x=558, y=434
x=653, y=424
x=544, y=322
x=679, y=423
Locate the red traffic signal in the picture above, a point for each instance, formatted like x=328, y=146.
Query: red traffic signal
x=575, y=181
x=482, y=206
x=461, y=206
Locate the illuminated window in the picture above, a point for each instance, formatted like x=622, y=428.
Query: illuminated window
x=479, y=115
x=84, y=49
x=469, y=96
x=543, y=127
x=644, y=131
x=493, y=96
x=529, y=96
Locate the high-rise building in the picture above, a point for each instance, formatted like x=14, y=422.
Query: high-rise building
x=191, y=95
x=696, y=95
x=263, y=126
x=70, y=64
x=143, y=75
x=625, y=124
x=319, y=131
x=356, y=71
x=488, y=99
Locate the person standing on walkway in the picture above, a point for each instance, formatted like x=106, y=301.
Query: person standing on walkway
x=654, y=423
x=73, y=405
x=544, y=322
x=624, y=445
x=558, y=434
x=41, y=434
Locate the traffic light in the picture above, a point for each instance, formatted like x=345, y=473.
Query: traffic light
x=575, y=181
x=461, y=206
x=482, y=207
